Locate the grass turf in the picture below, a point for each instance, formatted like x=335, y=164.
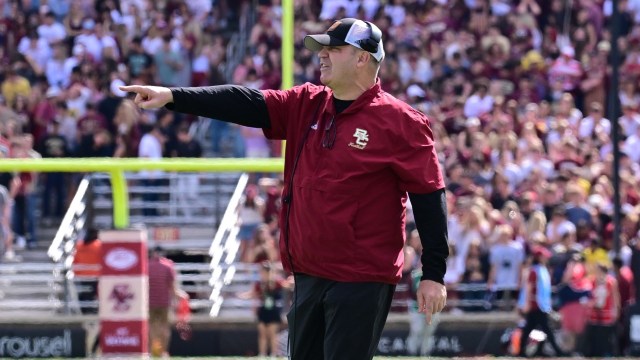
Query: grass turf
x=375, y=358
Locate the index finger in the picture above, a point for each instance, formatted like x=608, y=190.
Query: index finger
x=429, y=315
x=132, y=88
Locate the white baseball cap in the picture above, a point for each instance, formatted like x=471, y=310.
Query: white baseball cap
x=349, y=31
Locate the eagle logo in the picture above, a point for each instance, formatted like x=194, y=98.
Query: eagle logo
x=122, y=296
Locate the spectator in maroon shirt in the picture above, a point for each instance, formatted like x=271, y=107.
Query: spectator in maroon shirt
x=45, y=113
x=163, y=288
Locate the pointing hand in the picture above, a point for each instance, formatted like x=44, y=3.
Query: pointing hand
x=150, y=97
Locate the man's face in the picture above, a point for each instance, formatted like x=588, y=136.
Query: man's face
x=337, y=64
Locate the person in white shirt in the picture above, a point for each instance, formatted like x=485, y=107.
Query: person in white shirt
x=79, y=55
x=396, y=11
x=90, y=41
x=631, y=146
x=77, y=98
x=36, y=50
x=565, y=72
x=330, y=8
x=594, y=122
x=151, y=147
x=50, y=30
x=480, y=102
x=199, y=8
x=629, y=121
x=506, y=257
x=559, y=225
x=414, y=68
x=55, y=69
x=152, y=42
x=109, y=47
x=534, y=160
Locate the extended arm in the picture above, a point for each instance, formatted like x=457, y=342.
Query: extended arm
x=230, y=103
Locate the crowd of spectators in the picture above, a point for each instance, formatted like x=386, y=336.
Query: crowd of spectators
x=516, y=91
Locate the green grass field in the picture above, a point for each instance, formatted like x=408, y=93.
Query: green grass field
x=376, y=358
x=396, y=358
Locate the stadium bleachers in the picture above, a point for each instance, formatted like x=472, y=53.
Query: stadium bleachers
x=517, y=93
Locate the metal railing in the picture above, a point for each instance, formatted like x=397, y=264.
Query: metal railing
x=30, y=289
x=212, y=193
x=184, y=199
x=190, y=277
x=73, y=222
x=465, y=297
x=73, y=225
x=224, y=248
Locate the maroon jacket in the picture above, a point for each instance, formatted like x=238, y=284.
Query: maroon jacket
x=347, y=210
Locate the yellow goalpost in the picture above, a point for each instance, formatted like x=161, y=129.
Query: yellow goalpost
x=117, y=167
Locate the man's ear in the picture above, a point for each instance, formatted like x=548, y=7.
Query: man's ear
x=363, y=58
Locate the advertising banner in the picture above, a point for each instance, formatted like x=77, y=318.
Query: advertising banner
x=123, y=297
x=42, y=342
x=124, y=337
x=124, y=293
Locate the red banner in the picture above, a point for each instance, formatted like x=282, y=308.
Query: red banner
x=124, y=293
x=123, y=337
x=122, y=258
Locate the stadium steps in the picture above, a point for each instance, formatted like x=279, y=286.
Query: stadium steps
x=242, y=281
x=34, y=285
x=31, y=287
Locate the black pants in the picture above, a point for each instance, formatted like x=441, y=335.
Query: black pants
x=538, y=318
x=54, y=186
x=151, y=197
x=332, y=320
x=88, y=291
x=601, y=340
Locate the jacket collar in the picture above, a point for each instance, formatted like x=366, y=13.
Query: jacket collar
x=364, y=99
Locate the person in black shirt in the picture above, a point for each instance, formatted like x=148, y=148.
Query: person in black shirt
x=186, y=146
x=138, y=62
x=54, y=145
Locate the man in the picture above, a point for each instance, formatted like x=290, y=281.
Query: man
x=189, y=184
x=163, y=287
x=353, y=153
x=604, y=311
x=54, y=145
x=151, y=147
x=535, y=299
x=86, y=267
x=138, y=62
x=51, y=30
x=506, y=257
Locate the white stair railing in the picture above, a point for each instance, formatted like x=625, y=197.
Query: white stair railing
x=224, y=248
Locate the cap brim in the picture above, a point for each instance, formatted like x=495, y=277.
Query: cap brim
x=316, y=42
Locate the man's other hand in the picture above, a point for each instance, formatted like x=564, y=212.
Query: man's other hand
x=432, y=297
